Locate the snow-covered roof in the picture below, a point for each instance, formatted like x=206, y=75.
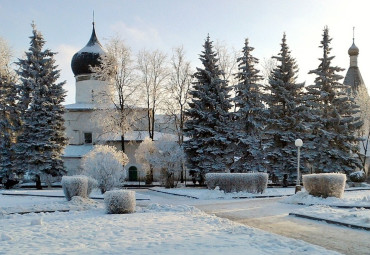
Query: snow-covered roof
x=80, y=106
x=134, y=136
x=89, y=106
x=77, y=151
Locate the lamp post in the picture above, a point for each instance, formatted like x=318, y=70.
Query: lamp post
x=299, y=144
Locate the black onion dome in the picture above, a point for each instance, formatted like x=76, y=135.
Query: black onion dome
x=88, y=56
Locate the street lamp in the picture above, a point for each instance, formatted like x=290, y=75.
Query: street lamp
x=299, y=144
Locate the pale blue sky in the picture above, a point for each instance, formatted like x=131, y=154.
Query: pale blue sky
x=164, y=24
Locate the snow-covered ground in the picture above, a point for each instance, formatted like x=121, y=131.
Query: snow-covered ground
x=360, y=217
x=206, y=194
x=153, y=229
x=353, y=216
x=350, y=198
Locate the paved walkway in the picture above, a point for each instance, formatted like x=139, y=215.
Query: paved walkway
x=267, y=215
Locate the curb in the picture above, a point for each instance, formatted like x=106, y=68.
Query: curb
x=349, y=190
x=168, y=193
x=263, y=196
x=338, y=206
x=35, y=195
x=330, y=221
x=47, y=211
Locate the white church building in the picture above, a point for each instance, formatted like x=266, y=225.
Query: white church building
x=81, y=129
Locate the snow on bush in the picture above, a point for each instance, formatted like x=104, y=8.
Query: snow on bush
x=74, y=186
x=142, y=153
x=105, y=164
x=325, y=184
x=169, y=158
x=91, y=184
x=236, y=182
x=358, y=176
x=120, y=201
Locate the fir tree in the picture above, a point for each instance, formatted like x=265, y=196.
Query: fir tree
x=284, y=120
x=9, y=124
x=209, y=127
x=333, y=122
x=248, y=116
x=42, y=139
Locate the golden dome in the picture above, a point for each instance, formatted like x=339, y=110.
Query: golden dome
x=353, y=50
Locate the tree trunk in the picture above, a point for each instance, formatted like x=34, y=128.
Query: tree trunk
x=38, y=182
x=123, y=142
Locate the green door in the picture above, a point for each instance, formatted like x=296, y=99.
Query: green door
x=132, y=174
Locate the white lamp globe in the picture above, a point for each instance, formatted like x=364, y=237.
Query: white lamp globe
x=298, y=143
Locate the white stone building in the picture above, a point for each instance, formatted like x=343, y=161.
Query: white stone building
x=82, y=130
x=354, y=79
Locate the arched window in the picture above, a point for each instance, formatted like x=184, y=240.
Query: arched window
x=132, y=174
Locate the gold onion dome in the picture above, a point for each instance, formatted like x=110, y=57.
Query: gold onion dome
x=353, y=50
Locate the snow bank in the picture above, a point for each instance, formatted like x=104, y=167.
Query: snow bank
x=353, y=216
x=325, y=185
x=206, y=194
x=162, y=230
x=75, y=186
x=236, y=182
x=120, y=201
x=353, y=198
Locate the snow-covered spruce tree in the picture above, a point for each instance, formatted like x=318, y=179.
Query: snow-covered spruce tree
x=209, y=125
x=41, y=140
x=333, y=122
x=284, y=116
x=9, y=119
x=248, y=124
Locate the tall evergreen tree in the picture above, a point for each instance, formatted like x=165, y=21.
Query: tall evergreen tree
x=209, y=124
x=284, y=120
x=333, y=121
x=42, y=138
x=248, y=122
x=9, y=124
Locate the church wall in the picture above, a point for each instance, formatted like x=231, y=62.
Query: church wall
x=73, y=166
x=77, y=123
x=88, y=90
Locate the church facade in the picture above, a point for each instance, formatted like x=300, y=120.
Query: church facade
x=82, y=129
x=359, y=91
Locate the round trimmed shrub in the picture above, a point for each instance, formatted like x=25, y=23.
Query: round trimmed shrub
x=358, y=176
x=325, y=184
x=74, y=186
x=120, y=201
x=236, y=182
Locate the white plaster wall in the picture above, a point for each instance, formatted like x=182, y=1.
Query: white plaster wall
x=86, y=90
x=73, y=166
x=79, y=122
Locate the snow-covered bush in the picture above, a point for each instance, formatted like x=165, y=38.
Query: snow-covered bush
x=325, y=184
x=74, y=186
x=145, y=150
x=236, y=182
x=91, y=184
x=120, y=201
x=105, y=164
x=168, y=158
x=358, y=176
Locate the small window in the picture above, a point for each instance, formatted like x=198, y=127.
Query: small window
x=88, y=137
